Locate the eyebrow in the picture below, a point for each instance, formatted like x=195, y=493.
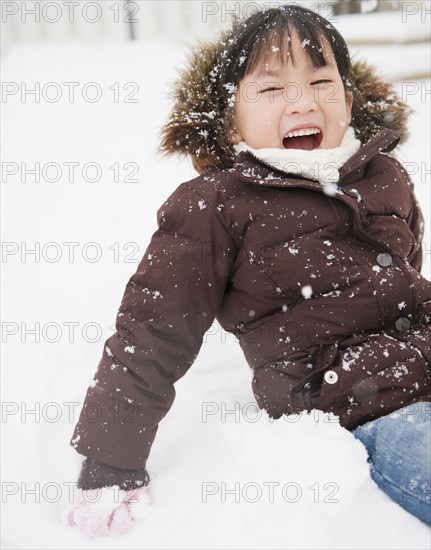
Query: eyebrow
x=263, y=73
x=276, y=73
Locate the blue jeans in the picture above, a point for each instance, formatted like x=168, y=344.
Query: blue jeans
x=399, y=449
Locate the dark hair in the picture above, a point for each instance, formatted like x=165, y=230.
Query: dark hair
x=263, y=35
x=201, y=121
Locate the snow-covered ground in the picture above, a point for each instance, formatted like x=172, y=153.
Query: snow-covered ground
x=300, y=482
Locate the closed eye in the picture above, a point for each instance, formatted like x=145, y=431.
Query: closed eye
x=270, y=90
x=320, y=82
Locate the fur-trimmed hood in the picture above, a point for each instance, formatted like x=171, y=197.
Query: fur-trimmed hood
x=196, y=125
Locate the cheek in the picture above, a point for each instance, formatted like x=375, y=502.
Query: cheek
x=238, y=116
x=340, y=114
x=348, y=114
x=348, y=106
x=254, y=114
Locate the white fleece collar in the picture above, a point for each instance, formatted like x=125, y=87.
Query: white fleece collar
x=321, y=165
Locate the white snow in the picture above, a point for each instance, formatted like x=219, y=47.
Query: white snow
x=223, y=475
x=409, y=25
x=307, y=291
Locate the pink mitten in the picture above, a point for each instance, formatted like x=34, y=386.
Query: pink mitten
x=109, y=511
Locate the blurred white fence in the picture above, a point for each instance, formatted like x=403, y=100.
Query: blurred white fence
x=88, y=20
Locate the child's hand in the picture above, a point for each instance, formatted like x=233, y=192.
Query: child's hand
x=109, y=511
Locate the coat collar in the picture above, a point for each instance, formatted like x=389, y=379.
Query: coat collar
x=251, y=169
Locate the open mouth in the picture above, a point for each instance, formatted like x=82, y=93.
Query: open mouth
x=307, y=138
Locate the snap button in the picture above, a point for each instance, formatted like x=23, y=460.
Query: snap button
x=384, y=259
x=402, y=324
x=331, y=377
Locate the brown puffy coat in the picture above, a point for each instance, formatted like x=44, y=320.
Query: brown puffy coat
x=240, y=245
x=323, y=292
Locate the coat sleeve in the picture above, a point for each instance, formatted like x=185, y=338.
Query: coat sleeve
x=168, y=305
x=415, y=221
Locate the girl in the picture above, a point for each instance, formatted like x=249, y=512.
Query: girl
x=302, y=236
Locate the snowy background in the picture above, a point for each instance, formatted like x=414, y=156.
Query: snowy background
x=59, y=305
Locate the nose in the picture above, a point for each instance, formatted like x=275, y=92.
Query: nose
x=299, y=99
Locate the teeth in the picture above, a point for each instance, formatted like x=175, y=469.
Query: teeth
x=304, y=132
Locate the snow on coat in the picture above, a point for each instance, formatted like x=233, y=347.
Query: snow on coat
x=324, y=294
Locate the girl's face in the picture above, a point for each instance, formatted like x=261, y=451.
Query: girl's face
x=292, y=106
